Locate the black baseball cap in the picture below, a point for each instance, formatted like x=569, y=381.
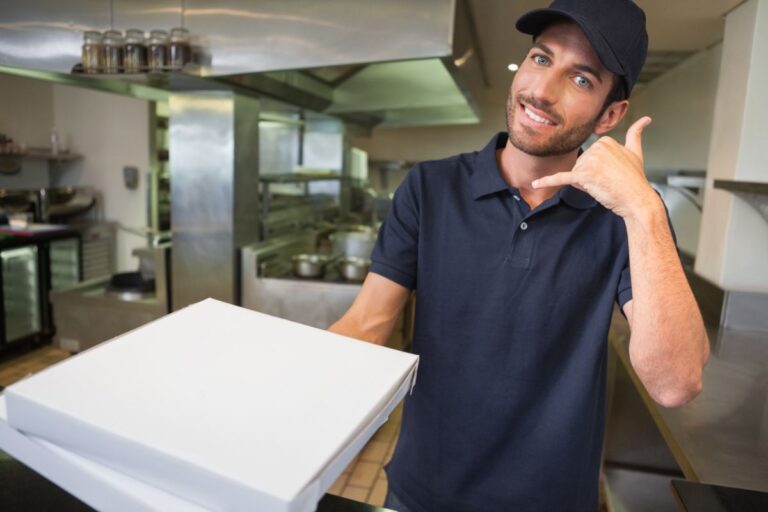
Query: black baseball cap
x=615, y=28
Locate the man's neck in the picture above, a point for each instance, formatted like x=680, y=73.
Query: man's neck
x=519, y=169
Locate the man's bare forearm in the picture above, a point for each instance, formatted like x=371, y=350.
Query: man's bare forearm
x=668, y=342
x=374, y=313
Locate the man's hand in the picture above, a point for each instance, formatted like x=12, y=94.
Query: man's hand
x=611, y=173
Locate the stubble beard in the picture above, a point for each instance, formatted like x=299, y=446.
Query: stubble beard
x=558, y=144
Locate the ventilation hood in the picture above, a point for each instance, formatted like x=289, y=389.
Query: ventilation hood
x=376, y=63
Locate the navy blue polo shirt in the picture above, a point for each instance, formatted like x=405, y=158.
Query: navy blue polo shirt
x=512, y=314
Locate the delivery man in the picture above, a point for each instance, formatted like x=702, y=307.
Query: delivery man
x=517, y=254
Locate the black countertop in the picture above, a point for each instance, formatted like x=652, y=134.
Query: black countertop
x=23, y=489
x=10, y=241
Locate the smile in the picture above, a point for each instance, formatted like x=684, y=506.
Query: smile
x=535, y=117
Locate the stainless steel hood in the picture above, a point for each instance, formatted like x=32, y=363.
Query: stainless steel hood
x=378, y=63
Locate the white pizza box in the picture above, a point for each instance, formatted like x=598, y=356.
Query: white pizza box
x=98, y=486
x=222, y=406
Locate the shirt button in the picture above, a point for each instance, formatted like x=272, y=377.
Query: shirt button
x=524, y=226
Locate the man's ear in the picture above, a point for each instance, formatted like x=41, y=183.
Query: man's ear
x=611, y=117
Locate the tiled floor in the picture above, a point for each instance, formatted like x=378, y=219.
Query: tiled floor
x=364, y=480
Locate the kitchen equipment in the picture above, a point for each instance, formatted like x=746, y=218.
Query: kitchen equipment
x=353, y=244
x=309, y=264
x=354, y=269
x=103, y=307
x=20, y=293
x=62, y=203
x=131, y=286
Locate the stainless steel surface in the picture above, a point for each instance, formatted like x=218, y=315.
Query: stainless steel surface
x=425, y=65
x=244, y=35
x=721, y=437
x=214, y=186
x=311, y=302
x=247, y=35
x=353, y=269
x=354, y=244
x=87, y=314
x=746, y=311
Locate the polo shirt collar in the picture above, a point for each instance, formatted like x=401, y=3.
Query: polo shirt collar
x=486, y=178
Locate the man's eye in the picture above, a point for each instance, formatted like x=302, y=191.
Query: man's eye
x=539, y=59
x=583, y=82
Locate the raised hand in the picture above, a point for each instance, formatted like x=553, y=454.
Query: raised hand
x=611, y=173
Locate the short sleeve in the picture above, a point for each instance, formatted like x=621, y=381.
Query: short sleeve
x=624, y=289
x=395, y=254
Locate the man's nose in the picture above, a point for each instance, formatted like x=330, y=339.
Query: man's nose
x=546, y=89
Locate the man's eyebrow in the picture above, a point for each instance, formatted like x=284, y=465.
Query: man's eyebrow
x=546, y=49
x=581, y=67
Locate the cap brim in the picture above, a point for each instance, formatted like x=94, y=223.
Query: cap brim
x=534, y=22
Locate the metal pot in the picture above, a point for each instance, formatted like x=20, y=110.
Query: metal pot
x=353, y=244
x=309, y=265
x=354, y=269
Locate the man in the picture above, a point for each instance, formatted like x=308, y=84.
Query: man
x=517, y=254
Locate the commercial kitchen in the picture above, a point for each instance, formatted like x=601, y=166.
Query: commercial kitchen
x=154, y=154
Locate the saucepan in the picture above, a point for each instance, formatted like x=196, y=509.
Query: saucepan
x=354, y=269
x=309, y=265
x=353, y=244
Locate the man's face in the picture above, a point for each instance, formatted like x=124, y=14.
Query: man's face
x=557, y=96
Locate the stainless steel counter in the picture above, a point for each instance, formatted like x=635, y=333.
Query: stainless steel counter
x=721, y=437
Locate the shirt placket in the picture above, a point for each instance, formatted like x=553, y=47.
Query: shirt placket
x=523, y=236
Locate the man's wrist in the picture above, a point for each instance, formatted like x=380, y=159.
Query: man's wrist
x=647, y=212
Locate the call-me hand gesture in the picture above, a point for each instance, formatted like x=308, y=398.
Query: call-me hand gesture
x=611, y=173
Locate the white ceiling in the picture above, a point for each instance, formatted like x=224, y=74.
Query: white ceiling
x=673, y=25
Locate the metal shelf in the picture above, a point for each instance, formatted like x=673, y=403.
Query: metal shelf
x=44, y=154
x=754, y=193
x=744, y=187
x=298, y=178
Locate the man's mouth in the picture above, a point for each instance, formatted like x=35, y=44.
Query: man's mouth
x=536, y=117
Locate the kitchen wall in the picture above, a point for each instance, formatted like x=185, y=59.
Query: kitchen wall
x=111, y=132
x=734, y=236
x=681, y=103
x=26, y=110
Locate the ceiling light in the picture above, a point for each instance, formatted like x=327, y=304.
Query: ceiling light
x=513, y=67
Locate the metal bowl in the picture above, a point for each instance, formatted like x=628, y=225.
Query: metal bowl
x=354, y=269
x=309, y=265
